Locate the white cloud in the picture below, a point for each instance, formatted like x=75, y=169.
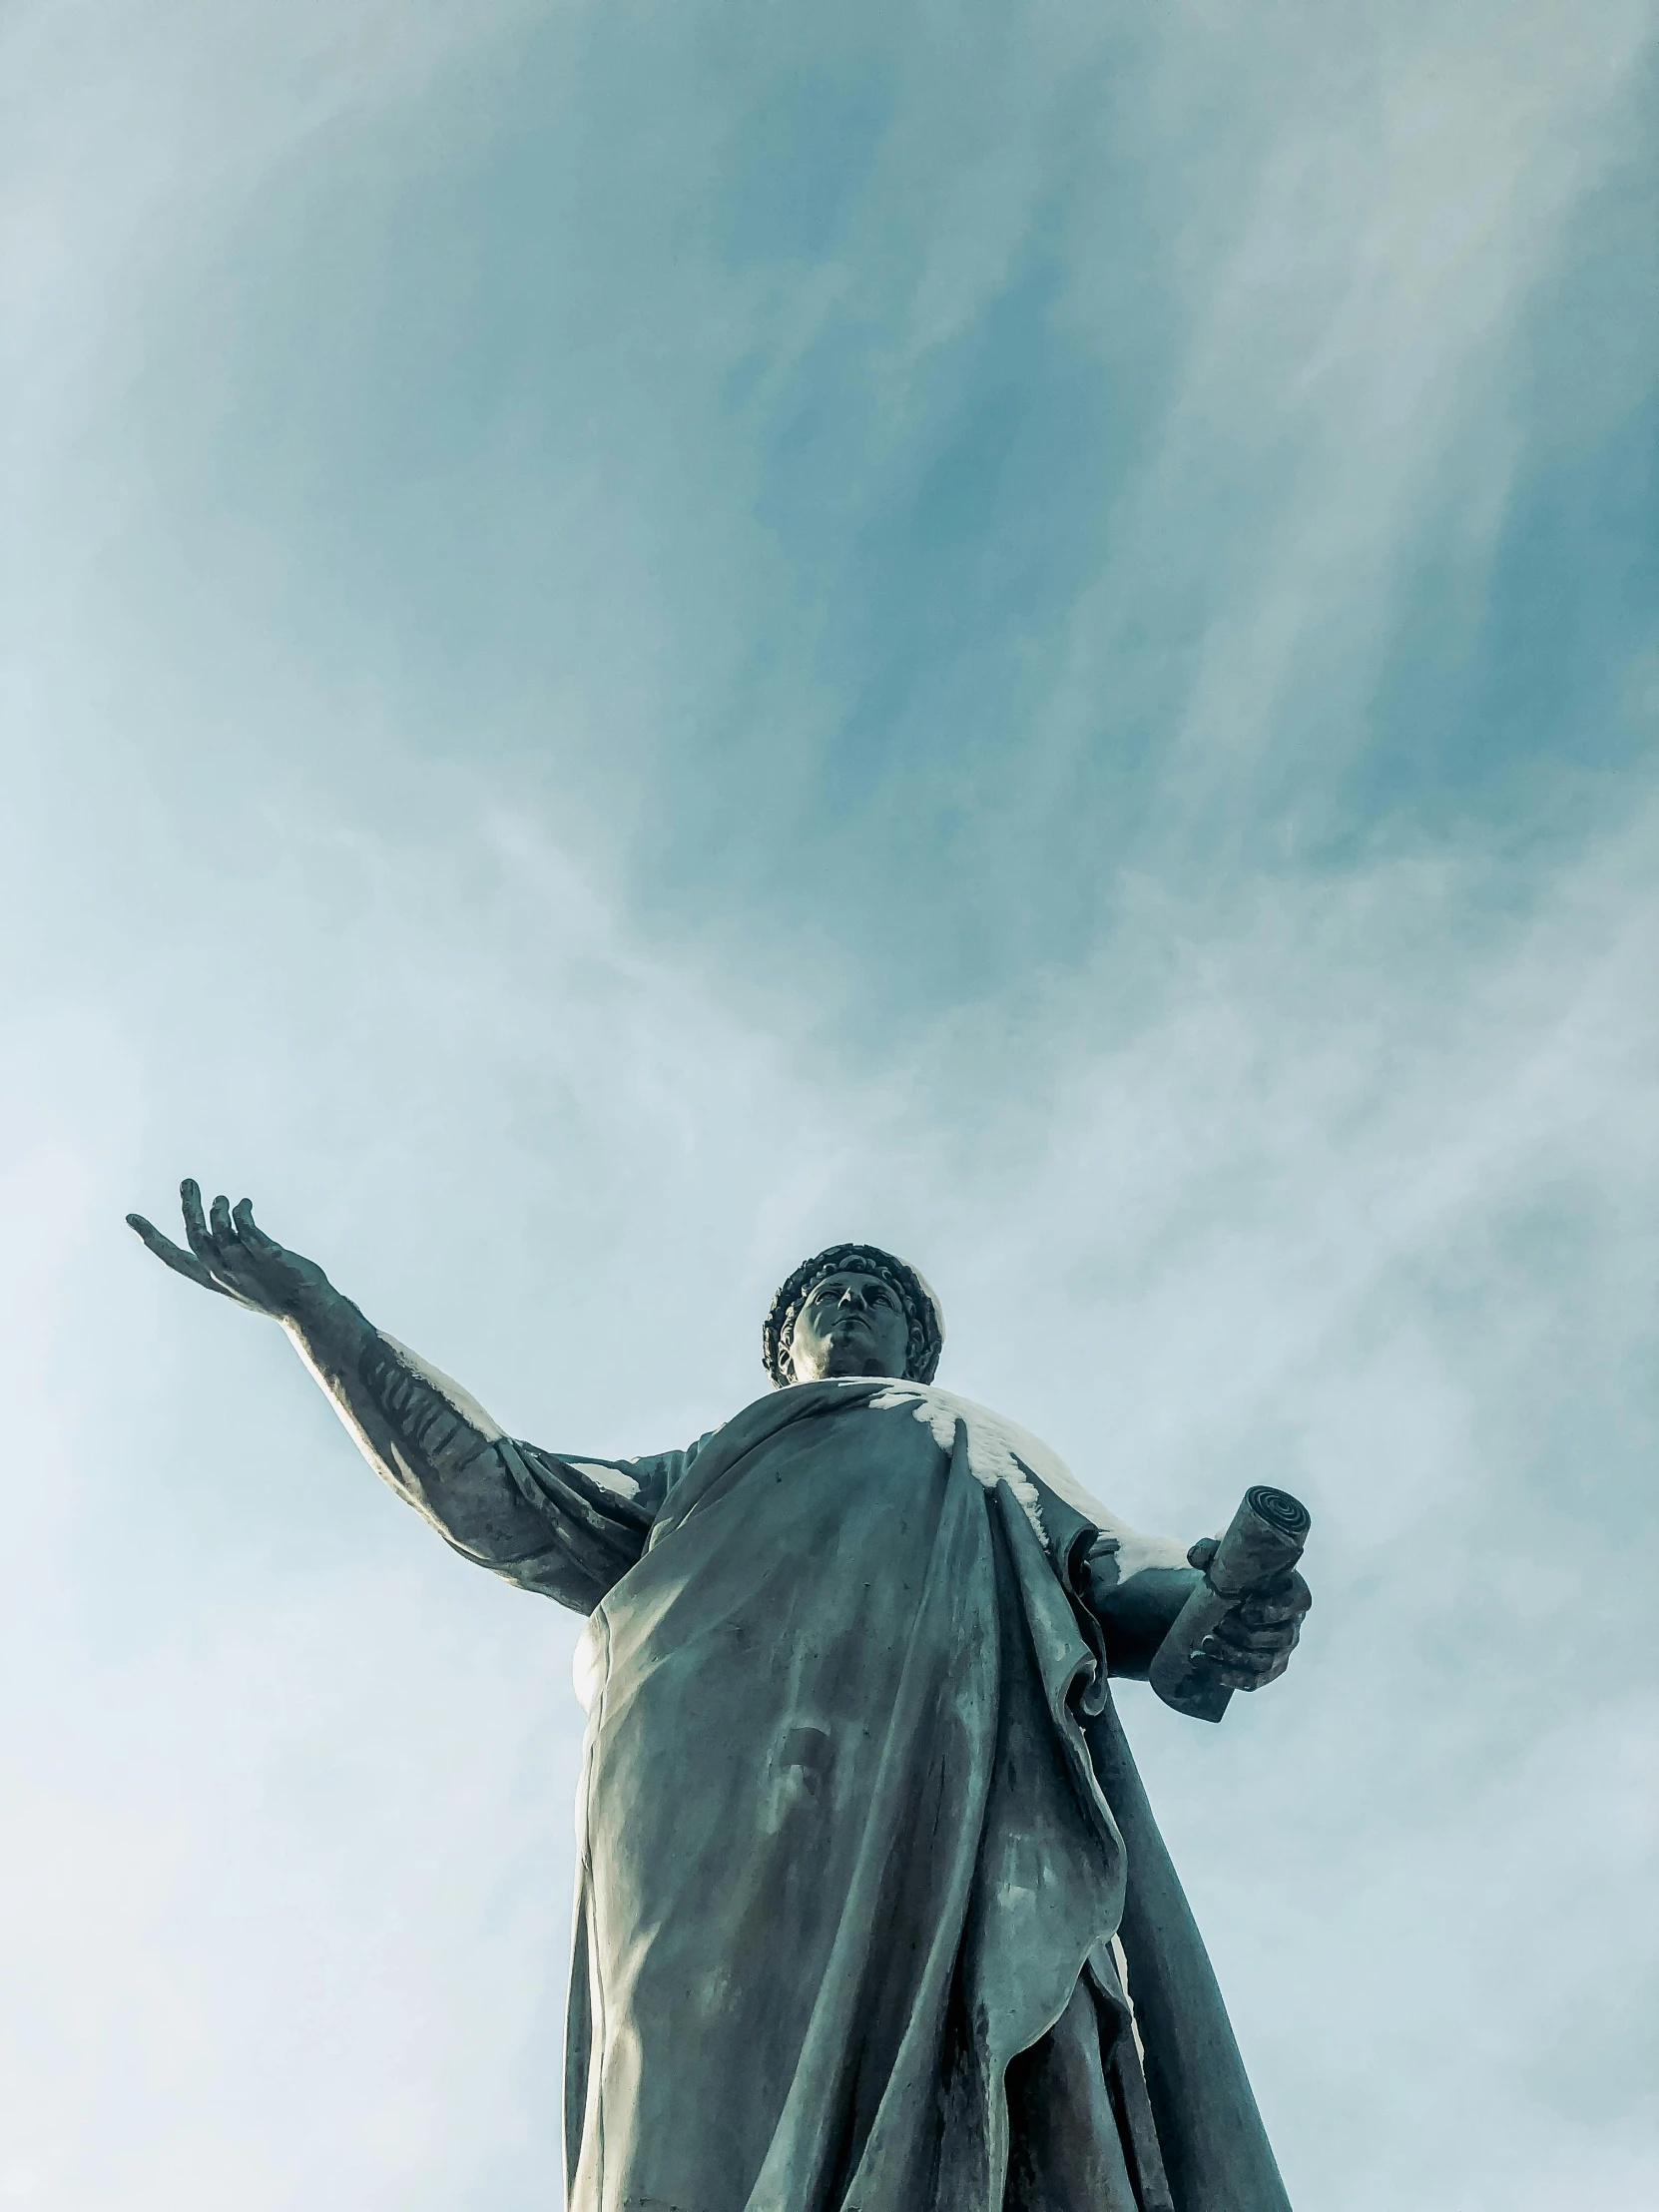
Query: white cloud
x=1339, y=1174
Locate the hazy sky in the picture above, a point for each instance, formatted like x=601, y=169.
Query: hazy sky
x=638, y=638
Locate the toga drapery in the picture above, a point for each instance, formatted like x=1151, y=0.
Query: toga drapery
x=862, y=1856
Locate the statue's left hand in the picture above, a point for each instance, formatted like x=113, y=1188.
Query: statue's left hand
x=1252, y=1645
x=230, y=1253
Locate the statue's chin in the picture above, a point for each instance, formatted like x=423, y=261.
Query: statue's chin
x=850, y=1364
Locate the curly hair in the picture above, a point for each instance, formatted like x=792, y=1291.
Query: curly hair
x=924, y=1320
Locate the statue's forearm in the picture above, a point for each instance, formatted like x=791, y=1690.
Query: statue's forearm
x=1137, y=1613
x=419, y=1431
x=329, y=1335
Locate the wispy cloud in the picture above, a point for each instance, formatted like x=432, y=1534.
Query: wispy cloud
x=636, y=641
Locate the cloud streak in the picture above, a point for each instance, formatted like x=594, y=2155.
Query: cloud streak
x=635, y=643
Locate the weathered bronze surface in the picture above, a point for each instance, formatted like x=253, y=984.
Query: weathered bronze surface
x=872, y=1915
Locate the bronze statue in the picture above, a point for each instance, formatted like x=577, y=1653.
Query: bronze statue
x=871, y=1913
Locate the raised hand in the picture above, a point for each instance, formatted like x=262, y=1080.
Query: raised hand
x=230, y=1253
x=1252, y=1645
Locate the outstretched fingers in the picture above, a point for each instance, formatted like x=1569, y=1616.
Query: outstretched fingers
x=171, y=1255
x=195, y=1226
x=211, y=1259
x=226, y=1241
x=249, y=1230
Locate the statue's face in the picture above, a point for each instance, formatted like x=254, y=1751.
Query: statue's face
x=851, y=1324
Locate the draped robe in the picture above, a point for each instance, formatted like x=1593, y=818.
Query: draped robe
x=862, y=1852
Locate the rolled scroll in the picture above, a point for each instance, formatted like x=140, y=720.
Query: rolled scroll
x=1265, y=1539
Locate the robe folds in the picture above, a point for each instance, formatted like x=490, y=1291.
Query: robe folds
x=861, y=1850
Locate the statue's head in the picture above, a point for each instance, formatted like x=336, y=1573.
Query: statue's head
x=852, y=1310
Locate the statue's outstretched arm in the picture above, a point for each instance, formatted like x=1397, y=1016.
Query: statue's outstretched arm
x=568, y=1529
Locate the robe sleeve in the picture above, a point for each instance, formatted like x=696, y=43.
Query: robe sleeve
x=1130, y=1586
x=566, y=1528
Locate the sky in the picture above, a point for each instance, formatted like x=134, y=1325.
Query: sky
x=636, y=640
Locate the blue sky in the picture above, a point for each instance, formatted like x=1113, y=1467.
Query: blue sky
x=638, y=639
